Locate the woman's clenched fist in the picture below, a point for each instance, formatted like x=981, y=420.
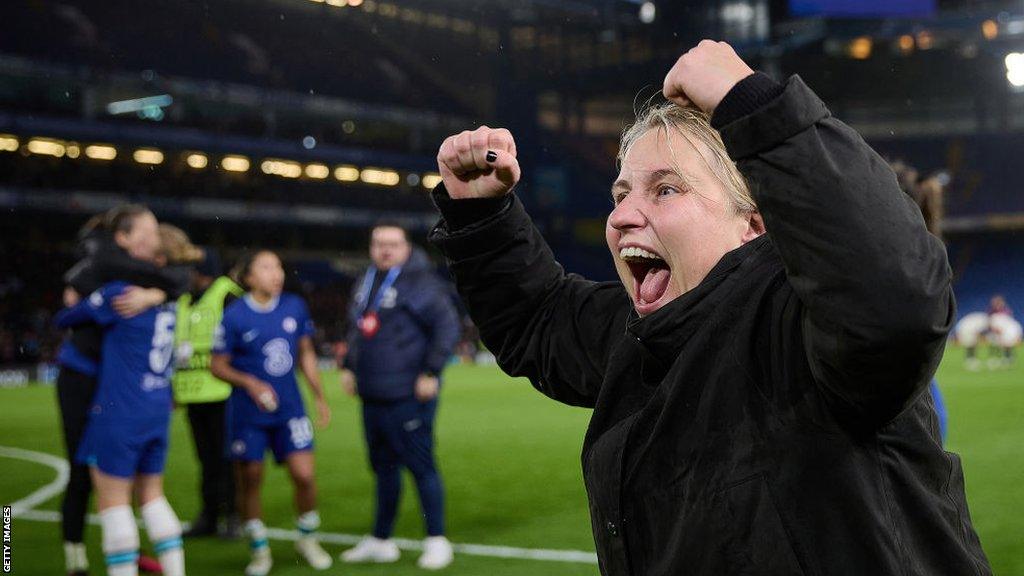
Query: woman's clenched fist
x=704, y=75
x=479, y=164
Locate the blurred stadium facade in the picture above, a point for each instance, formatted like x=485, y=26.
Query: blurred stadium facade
x=295, y=124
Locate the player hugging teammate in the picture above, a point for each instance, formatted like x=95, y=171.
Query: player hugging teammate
x=125, y=440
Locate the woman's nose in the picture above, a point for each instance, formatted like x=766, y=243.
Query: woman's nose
x=626, y=214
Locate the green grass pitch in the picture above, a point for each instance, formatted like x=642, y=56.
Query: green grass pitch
x=510, y=459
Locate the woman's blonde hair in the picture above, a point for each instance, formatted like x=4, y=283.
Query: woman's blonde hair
x=176, y=247
x=695, y=126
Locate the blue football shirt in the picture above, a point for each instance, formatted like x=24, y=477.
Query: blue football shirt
x=135, y=371
x=264, y=341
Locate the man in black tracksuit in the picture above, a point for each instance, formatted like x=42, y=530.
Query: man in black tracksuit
x=772, y=418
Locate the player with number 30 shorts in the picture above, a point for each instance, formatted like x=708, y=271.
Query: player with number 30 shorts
x=255, y=349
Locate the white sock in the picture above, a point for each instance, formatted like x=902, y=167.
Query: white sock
x=308, y=523
x=257, y=534
x=164, y=530
x=75, y=558
x=120, y=541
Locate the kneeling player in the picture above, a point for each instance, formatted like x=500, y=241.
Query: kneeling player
x=259, y=337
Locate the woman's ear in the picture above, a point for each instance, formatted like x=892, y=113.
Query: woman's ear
x=121, y=239
x=755, y=227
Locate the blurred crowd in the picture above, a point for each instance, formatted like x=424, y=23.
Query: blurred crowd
x=26, y=334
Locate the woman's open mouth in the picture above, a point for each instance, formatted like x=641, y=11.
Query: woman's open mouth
x=651, y=276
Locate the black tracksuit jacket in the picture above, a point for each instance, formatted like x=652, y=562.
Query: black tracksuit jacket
x=775, y=419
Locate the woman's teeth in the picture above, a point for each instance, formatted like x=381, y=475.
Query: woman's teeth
x=635, y=252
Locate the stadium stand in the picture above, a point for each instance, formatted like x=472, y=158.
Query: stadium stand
x=312, y=88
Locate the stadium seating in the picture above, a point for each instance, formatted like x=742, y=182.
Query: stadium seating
x=986, y=265
x=985, y=169
x=250, y=43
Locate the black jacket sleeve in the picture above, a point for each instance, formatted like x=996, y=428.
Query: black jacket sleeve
x=554, y=328
x=111, y=263
x=875, y=285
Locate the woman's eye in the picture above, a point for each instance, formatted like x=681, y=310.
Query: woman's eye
x=666, y=190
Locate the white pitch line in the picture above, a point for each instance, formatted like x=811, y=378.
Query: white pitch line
x=46, y=492
x=577, y=556
x=23, y=509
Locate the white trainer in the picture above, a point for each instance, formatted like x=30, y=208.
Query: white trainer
x=371, y=549
x=437, y=553
x=75, y=558
x=309, y=548
x=260, y=564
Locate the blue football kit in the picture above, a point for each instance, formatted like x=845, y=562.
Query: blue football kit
x=263, y=341
x=130, y=414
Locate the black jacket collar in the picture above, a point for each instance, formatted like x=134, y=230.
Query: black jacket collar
x=665, y=331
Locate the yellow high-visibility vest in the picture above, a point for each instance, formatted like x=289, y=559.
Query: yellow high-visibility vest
x=193, y=338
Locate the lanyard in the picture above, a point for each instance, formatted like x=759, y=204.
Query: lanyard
x=389, y=280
